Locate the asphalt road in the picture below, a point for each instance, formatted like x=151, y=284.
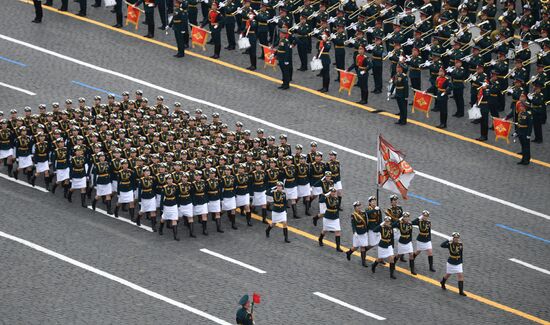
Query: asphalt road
x=41, y=288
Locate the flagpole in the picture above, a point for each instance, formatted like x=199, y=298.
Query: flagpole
x=377, y=165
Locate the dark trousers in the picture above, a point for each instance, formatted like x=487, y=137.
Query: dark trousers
x=252, y=51
x=525, y=148
x=416, y=83
x=458, y=95
x=493, y=107
x=484, y=124
x=302, y=53
x=97, y=3
x=473, y=96
x=285, y=74
x=37, y=9
x=377, y=75
x=501, y=102
x=64, y=5
x=150, y=20
x=230, y=31
x=402, y=104
x=325, y=73
x=537, y=125
x=192, y=13
x=205, y=8
x=441, y=104
x=83, y=5
x=182, y=38
x=262, y=37
x=364, y=86
x=161, y=5
x=340, y=58
x=118, y=11
x=217, y=39
x=271, y=29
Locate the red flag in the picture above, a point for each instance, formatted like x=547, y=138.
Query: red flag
x=347, y=80
x=269, y=56
x=256, y=298
x=394, y=173
x=198, y=37
x=133, y=16
x=502, y=129
x=422, y=101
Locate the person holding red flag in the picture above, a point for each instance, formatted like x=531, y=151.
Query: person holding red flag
x=363, y=65
x=215, y=20
x=443, y=88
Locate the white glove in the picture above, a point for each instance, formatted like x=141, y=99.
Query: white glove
x=505, y=14
x=362, y=72
x=332, y=35
x=315, y=14
x=510, y=91
x=354, y=26
x=410, y=41
x=467, y=58
x=460, y=33
x=281, y=3
x=369, y=47
x=484, y=84
x=265, y=1
x=513, y=74
x=240, y=10
x=286, y=63
x=515, y=134
x=427, y=63
x=370, y=30
x=352, y=40
x=222, y=4
x=205, y=1
x=537, y=24
x=528, y=137
x=530, y=96
x=383, y=12
x=449, y=69
x=316, y=31
x=439, y=28
x=377, y=208
x=493, y=62
x=428, y=47
x=276, y=19
x=484, y=7
x=331, y=20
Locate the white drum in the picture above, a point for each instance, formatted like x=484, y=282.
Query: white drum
x=316, y=64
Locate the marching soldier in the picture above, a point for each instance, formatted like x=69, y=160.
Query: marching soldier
x=23, y=153
x=454, y=262
x=242, y=189
x=101, y=173
x=146, y=198
x=331, y=218
x=180, y=26
x=185, y=204
x=303, y=174
x=374, y=218
x=278, y=211
x=200, y=200
x=395, y=212
x=363, y=65
x=125, y=188
x=78, y=175
x=261, y=18
x=215, y=20
x=385, y=249
x=288, y=175
x=494, y=93
x=458, y=76
x=7, y=137
x=169, y=206
x=258, y=188
x=41, y=155
x=360, y=235
x=60, y=164
x=229, y=202
x=404, y=244
x=523, y=132
x=424, y=238
x=400, y=85
x=214, y=195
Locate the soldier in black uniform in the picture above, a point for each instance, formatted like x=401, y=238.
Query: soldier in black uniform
x=284, y=57
x=378, y=54
x=37, y=11
x=538, y=110
x=250, y=27
x=180, y=25
x=454, y=262
x=300, y=33
x=443, y=88
x=458, y=75
x=215, y=20
x=360, y=235
x=230, y=12
x=363, y=65
x=339, y=48
x=400, y=85
x=323, y=47
x=149, y=16
x=524, y=128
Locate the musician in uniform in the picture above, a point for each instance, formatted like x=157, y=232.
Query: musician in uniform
x=363, y=65
x=378, y=54
x=385, y=249
x=149, y=16
x=250, y=29
x=284, y=56
x=415, y=72
x=215, y=20
x=323, y=47
x=360, y=238
x=400, y=85
x=263, y=29
x=454, y=262
x=230, y=12
x=278, y=211
x=180, y=25
x=494, y=93
x=482, y=101
x=524, y=128
x=331, y=218
x=338, y=40
x=443, y=88
x=458, y=76
x=301, y=34
x=538, y=110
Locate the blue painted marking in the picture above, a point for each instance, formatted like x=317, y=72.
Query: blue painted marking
x=95, y=88
x=424, y=199
x=13, y=61
x=523, y=233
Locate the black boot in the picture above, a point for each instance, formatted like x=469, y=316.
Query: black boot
x=219, y=225
x=204, y=230
x=132, y=211
x=94, y=203
x=348, y=254
x=138, y=220
x=66, y=191
x=264, y=216
x=175, y=232
x=109, y=208
x=373, y=266
x=338, y=249
x=89, y=192
x=83, y=200
x=294, y=215
x=431, y=262
x=47, y=180
x=29, y=177
x=364, y=258
x=154, y=224
x=411, y=265
x=192, y=230
x=161, y=227
x=232, y=219
x=268, y=230
x=307, y=209
x=15, y=174
x=340, y=203
x=402, y=258
x=116, y=211
x=285, y=233
x=54, y=187
x=321, y=236
x=33, y=180
x=249, y=219
x=392, y=270
x=10, y=170
x=315, y=219
x=442, y=282
x=461, y=288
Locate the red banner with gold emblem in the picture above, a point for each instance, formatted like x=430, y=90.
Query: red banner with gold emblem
x=502, y=129
x=422, y=101
x=199, y=36
x=132, y=16
x=347, y=80
x=394, y=173
x=269, y=56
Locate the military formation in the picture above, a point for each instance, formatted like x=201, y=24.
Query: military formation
x=177, y=169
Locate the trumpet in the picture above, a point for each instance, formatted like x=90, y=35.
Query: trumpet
x=295, y=27
x=358, y=11
x=390, y=53
x=350, y=40
x=336, y=5
x=376, y=15
x=534, y=59
x=507, y=89
x=510, y=73
x=415, y=25
x=388, y=36
x=533, y=78
x=470, y=77
x=275, y=19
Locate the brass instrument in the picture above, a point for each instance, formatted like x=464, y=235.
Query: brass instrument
x=474, y=41
x=363, y=7
x=416, y=24
x=470, y=77
x=390, y=53
x=334, y=6
x=302, y=7
x=373, y=17
x=507, y=89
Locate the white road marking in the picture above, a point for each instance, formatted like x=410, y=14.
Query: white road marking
x=531, y=266
x=270, y=124
x=437, y=233
x=114, y=278
x=41, y=189
x=18, y=89
x=232, y=260
x=4, y=176
x=345, y=304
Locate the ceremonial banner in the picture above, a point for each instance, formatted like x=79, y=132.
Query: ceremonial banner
x=502, y=129
x=269, y=56
x=256, y=298
x=199, y=36
x=133, y=15
x=394, y=173
x=347, y=80
x=422, y=101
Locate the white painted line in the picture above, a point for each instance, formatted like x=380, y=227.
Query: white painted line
x=20, y=182
x=437, y=233
x=232, y=260
x=345, y=304
x=267, y=123
x=531, y=266
x=18, y=89
x=114, y=278
x=39, y=188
